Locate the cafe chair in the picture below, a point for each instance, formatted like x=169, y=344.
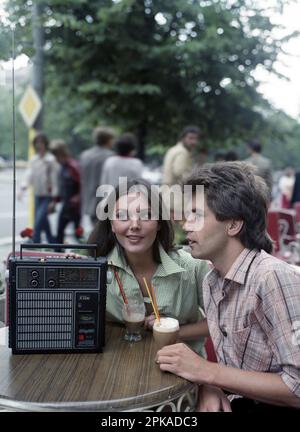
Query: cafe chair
x=281, y=226
x=210, y=351
x=297, y=216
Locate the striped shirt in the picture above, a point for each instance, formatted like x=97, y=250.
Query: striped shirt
x=177, y=282
x=254, y=316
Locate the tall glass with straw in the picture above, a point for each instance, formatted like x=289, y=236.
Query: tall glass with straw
x=133, y=313
x=165, y=329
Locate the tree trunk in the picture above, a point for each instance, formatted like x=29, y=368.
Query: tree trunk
x=38, y=59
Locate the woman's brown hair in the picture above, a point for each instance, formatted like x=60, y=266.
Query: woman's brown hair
x=105, y=239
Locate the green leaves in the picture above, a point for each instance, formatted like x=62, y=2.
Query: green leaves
x=153, y=66
x=103, y=88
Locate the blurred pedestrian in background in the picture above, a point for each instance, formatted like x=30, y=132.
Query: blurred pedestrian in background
x=69, y=188
x=42, y=176
x=286, y=186
x=219, y=156
x=178, y=161
x=296, y=190
x=91, y=163
x=123, y=164
x=263, y=165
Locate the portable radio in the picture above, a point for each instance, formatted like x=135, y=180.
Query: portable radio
x=57, y=303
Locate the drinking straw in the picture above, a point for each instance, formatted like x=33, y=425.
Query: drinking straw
x=152, y=302
x=120, y=287
x=155, y=302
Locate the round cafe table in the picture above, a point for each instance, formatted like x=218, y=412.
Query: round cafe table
x=124, y=377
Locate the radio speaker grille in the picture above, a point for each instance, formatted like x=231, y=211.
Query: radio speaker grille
x=44, y=320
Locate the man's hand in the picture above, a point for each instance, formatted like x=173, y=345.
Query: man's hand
x=212, y=399
x=184, y=362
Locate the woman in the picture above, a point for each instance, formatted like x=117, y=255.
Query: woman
x=138, y=243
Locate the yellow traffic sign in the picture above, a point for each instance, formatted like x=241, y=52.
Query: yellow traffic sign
x=30, y=106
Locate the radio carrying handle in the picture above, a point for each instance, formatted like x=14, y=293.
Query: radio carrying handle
x=57, y=246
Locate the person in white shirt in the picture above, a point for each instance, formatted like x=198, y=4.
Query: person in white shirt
x=123, y=164
x=286, y=186
x=42, y=175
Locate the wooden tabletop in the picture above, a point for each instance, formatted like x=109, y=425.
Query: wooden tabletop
x=124, y=377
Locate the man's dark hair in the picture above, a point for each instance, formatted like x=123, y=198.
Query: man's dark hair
x=231, y=156
x=41, y=137
x=125, y=144
x=255, y=146
x=102, y=135
x=219, y=156
x=189, y=129
x=233, y=191
x=106, y=240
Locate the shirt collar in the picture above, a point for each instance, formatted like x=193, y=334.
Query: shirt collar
x=239, y=269
x=48, y=157
x=166, y=267
x=182, y=146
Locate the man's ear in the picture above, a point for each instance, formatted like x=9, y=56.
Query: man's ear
x=234, y=227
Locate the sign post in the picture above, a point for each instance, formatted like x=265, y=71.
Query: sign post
x=29, y=108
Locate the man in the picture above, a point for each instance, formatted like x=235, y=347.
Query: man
x=251, y=299
x=91, y=162
x=178, y=161
x=263, y=165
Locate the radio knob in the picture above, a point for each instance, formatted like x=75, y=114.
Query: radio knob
x=34, y=274
x=34, y=283
x=51, y=283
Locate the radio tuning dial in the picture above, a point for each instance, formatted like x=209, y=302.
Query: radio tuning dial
x=51, y=283
x=34, y=283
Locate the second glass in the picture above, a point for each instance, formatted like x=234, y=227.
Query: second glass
x=134, y=317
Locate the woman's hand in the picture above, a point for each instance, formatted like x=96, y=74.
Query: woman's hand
x=149, y=322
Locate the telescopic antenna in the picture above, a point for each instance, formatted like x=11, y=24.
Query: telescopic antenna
x=14, y=144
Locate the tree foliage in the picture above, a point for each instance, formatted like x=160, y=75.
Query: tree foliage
x=153, y=66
